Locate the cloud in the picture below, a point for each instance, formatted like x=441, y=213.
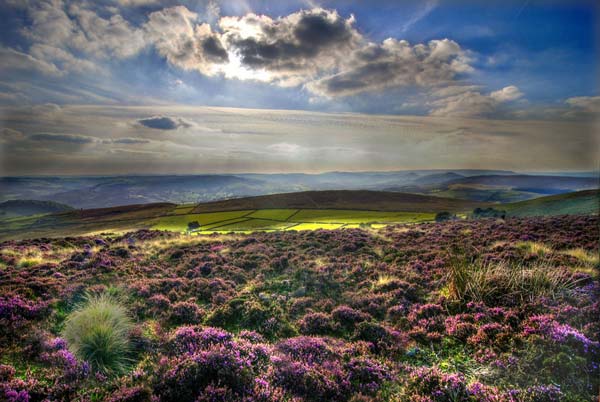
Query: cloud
x=185, y=44
x=429, y=6
x=507, y=94
x=164, y=123
x=128, y=141
x=589, y=104
x=471, y=103
x=291, y=49
x=396, y=63
x=11, y=60
x=136, y=3
x=69, y=138
x=9, y=135
x=59, y=32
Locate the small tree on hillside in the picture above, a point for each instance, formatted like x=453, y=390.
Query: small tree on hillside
x=444, y=216
x=193, y=226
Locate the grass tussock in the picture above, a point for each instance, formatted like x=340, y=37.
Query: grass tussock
x=536, y=248
x=584, y=256
x=98, y=332
x=503, y=282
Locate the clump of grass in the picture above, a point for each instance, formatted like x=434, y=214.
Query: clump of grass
x=536, y=248
x=584, y=256
x=383, y=280
x=98, y=332
x=503, y=282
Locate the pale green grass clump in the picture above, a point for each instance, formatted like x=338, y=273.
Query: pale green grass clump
x=500, y=282
x=584, y=256
x=532, y=247
x=98, y=332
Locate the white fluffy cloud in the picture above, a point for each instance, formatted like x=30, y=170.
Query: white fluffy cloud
x=507, y=94
x=183, y=42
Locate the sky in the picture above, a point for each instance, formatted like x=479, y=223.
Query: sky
x=204, y=86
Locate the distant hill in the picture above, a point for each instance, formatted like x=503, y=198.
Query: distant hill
x=438, y=178
x=530, y=182
x=580, y=202
x=342, y=199
x=498, y=188
x=353, y=206
x=16, y=208
x=107, y=191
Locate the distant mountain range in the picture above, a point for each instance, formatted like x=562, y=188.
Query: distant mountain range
x=106, y=191
x=16, y=208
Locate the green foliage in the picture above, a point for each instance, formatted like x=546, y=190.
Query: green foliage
x=98, y=332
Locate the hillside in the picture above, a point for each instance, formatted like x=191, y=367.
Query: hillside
x=108, y=191
x=289, y=211
x=498, y=188
x=16, y=208
x=529, y=182
x=342, y=199
x=580, y=202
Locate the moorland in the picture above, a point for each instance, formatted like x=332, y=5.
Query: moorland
x=331, y=295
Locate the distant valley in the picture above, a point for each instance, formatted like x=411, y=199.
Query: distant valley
x=108, y=191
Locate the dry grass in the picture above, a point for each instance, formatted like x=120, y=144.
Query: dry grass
x=536, y=248
x=503, y=282
x=584, y=256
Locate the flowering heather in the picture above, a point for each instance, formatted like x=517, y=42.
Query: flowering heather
x=344, y=315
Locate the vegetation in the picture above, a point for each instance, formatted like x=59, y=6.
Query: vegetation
x=98, y=333
x=298, y=211
x=462, y=310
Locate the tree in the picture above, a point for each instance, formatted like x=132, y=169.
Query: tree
x=193, y=226
x=444, y=216
x=488, y=213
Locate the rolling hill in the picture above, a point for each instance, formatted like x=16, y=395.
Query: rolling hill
x=580, y=202
x=498, y=188
x=16, y=208
x=289, y=211
x=342, y=199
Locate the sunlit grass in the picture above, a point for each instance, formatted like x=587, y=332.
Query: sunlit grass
x=98, y=332
x=494, y=282
x=536, y=248
x=584, y=256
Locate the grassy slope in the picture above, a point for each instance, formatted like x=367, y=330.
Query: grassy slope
x=335, y=212
x=342, y=199
x=580, y=202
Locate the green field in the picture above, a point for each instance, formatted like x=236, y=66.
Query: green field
x=285, y=219
x=255, y=216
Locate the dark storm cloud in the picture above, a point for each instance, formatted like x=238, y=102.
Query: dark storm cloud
x=69, y=138
x=288, y=43
x=164, y=123
x=292, y=49
x=213, y=50
x=395, y=63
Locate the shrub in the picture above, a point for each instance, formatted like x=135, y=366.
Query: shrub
x=444, y=216
x=186, y=312
x=316, y=324
x=98, y=332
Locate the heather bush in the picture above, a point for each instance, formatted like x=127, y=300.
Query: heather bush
x=98, y=332
x=316, y=324
x=185, y=312
x=378, y=310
